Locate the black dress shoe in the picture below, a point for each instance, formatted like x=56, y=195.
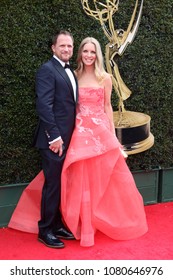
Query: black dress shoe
x=63, y=233
x=50, y=240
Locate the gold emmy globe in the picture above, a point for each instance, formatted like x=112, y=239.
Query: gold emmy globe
x=132, y=128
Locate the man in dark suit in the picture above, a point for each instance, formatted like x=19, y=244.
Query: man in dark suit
x=56, y=98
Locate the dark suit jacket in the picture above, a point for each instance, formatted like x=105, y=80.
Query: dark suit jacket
x=55, y=104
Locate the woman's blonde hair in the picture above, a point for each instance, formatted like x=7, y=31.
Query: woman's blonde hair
x=99, y=62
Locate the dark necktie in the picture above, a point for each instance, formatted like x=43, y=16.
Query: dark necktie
x=67, y=66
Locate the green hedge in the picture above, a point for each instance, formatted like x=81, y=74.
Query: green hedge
x=146, y=67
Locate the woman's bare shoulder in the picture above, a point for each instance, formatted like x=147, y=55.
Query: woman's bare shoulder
x=107, y=78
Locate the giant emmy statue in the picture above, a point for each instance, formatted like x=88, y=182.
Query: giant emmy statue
x=132, y=128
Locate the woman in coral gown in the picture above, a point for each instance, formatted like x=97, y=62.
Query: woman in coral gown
x=98, y=190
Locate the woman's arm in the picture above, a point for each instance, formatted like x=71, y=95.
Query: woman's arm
x=107, y=101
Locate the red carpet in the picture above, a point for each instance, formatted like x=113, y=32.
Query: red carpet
x=157, y=244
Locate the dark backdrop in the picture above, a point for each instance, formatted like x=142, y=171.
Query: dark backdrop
x=146, y=68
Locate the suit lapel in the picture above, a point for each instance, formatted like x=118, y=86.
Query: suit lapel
x=76, y=88
x=58, y=67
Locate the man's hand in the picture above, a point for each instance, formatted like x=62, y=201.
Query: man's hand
x=57, y=147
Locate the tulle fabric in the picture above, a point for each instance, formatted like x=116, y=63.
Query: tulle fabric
x=27, y=212
x=105, y=200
